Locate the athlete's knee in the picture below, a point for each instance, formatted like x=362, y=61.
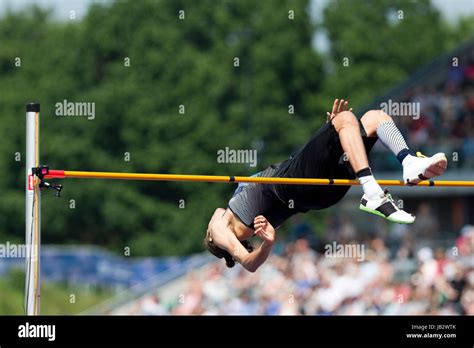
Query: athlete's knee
x=345, y=119
x=376, y=116
x=373, y=119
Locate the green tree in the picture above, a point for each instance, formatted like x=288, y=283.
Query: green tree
x=173, y=63
x=244, y=73
x=381, y=42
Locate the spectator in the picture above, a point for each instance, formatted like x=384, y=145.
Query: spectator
x=151, y=306
x=426, y=225
x=303, y=281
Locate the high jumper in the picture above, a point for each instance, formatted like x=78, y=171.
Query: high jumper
x=336, y=150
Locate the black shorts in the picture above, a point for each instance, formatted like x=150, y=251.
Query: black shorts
x=321, y=157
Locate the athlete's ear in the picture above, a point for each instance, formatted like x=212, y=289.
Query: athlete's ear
x=208, y=235
x=218, y=252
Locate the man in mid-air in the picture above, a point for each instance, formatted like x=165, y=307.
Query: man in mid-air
x=337, y=150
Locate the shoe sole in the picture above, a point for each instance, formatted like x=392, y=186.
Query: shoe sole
x=376, y=212
x=437, y=168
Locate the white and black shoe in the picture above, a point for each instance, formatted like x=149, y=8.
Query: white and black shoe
x=419, y=167
x=386, y=208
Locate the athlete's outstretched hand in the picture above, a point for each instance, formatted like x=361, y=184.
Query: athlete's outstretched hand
x=337, y=107
x=264, y=229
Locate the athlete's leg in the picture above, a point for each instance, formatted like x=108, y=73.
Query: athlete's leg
x=372, y=119
x=347, y=127
x=374, y=200
x=416, y=167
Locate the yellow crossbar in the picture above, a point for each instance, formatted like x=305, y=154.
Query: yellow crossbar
x=246, y=179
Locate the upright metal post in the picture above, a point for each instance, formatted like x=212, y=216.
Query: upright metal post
x=33, y=213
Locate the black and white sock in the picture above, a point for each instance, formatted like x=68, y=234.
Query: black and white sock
x=391, y=137
x=370, y=186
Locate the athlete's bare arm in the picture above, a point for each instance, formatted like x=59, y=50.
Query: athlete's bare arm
x=266, y=232
x=224, y=237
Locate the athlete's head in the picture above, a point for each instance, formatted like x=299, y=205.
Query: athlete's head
x=222, y=253
x=217, y=228
x=218, y=252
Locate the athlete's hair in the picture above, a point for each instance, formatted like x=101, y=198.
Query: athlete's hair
x=222, y=253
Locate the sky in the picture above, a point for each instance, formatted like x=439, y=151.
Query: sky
x=451, y=9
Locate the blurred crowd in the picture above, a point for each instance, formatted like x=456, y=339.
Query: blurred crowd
x=300, y=278
x=446, y=120
x=404, y=271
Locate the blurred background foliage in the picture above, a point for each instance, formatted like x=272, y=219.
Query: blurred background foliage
x=187, y=62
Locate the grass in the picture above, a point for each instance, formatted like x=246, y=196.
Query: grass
x=56, y=298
